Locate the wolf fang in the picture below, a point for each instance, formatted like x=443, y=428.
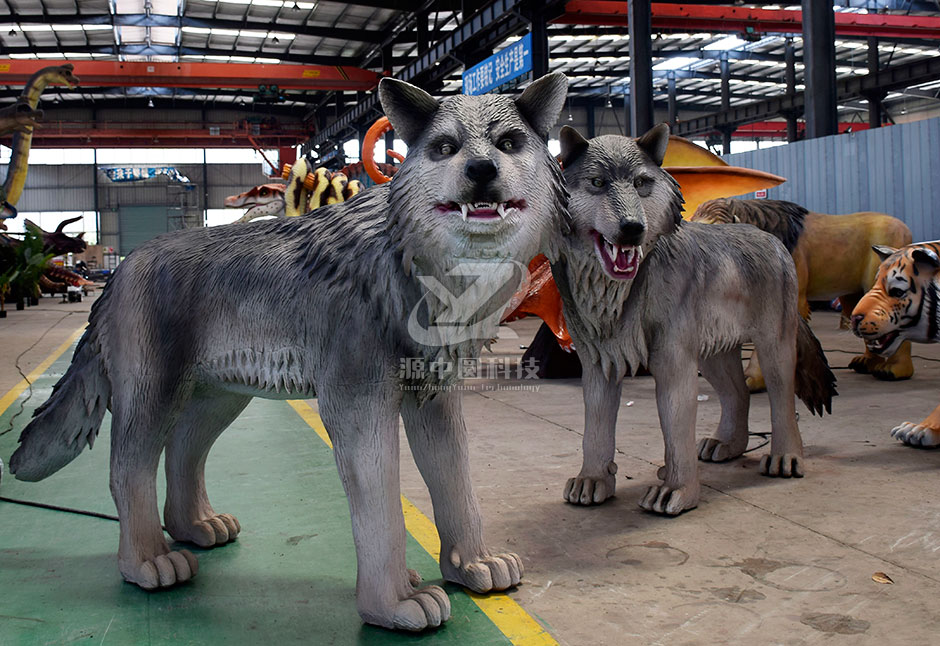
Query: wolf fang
x=695, y=298
x=179, y=302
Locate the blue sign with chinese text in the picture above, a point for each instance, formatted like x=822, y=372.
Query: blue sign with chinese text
x=512, y=62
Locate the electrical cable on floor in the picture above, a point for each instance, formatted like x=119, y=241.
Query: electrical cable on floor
x=23, y=375
x=69, y=510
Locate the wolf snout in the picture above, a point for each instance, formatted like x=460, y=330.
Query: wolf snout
x=631, y=232
x=481, y=170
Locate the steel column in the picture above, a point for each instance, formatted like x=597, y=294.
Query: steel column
x=671, y=91
x=591, y=126
x=641, y=66
x=874, y=98
x=819, y=71
x=540, y=49
x=789, y=54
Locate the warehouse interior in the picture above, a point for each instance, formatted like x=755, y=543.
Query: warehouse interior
x=185, y=110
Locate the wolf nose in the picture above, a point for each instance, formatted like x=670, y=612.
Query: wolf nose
x=481, y=170
x=631, y=232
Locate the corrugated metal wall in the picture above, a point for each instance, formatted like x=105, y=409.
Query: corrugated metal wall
x=894, y=170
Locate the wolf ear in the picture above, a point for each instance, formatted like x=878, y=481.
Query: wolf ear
x=654, y=142
x=573, y=145
x=407, y=107
x=923, y=256
x=541, y=102
x=883, y=251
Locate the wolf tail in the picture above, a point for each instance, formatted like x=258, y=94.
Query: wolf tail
x=815, y=383
x=68, y=420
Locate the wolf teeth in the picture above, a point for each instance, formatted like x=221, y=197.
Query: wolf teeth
x=464, y=209
x=501, y=209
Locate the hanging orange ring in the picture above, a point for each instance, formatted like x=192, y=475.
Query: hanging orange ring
x=378, y=129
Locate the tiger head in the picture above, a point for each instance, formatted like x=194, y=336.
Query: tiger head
x=902, y=304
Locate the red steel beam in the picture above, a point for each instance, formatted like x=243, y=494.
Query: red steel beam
x=199, y=75
x=735, y=19
x=779, y=128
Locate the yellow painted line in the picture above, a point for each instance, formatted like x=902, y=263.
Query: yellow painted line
x=15, y=392
x=509, y=616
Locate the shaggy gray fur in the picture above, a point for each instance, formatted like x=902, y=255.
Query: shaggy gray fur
x=701, y=291
x=194, y=324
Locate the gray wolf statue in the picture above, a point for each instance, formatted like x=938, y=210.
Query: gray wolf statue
x=902, y=306
x=642, y=287
x=833, y=259
x=196, y=323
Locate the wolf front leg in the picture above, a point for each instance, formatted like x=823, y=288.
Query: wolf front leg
x=438, y=438
x=676, y=391
x=723, y=372
x=363, y=425
x=597, y=480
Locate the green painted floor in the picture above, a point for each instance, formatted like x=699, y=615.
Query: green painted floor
x=289, y=578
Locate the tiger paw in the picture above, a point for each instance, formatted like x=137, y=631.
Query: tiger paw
x=755, y=384
x=861, y=364
x=671, y=501
x=890, y=372
x=920, y=435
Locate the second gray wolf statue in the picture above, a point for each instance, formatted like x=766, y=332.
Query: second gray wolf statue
x=701, y=291
x=195, y=324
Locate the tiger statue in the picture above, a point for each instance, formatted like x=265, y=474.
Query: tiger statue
x=902, y=305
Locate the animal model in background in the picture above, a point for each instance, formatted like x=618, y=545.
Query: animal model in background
x=309, y=188
x=832, y=258
x=902, y=306
x=641, y=287
x=480, y=192
x=266, y=199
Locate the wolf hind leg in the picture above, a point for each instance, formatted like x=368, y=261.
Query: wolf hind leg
x=363, y=425
x=723, y=371
x=676, y=391
x=438, y=439
x=597, y=480
x=187, y=513
x=785, y=459
x=138, y=434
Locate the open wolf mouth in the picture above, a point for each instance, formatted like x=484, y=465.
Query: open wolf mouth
x=880, y=344
x=620, y=261
x=482, y=210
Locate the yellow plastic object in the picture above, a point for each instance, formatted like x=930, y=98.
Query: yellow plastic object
x=682, y=152
x=702, y=183
x=285, y=172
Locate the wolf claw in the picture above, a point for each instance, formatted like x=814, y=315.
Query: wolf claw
x=711, y=449
x=583, y=490
x=213, y=530
x=787, y=465
x=163, y=571
x=663, y=499
x=485, y=574
x=427, y=608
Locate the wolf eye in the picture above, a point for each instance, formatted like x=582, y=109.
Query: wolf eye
x=598, y=182
x=640, y=182
x=505, y=145
x=447, y=149
x=896, y=292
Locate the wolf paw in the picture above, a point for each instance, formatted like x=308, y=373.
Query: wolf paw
x=917, y=434
x=589, y=490
x=671, y=501
x=711, y=449
x=427, y=608
x=162, y=571
x=213, y=530
x=484, y=574
x=788, y=465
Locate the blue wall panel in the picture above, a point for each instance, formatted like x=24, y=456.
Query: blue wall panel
x=894, y=170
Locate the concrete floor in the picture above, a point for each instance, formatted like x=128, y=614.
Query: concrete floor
x=759, y=561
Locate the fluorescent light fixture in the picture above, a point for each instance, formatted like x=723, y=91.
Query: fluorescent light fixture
x=731, y=42
x=675, y=63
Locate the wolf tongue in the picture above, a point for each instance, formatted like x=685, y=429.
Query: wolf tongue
x=623, y=260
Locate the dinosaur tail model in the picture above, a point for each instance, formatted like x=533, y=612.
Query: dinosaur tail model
x=23, y=138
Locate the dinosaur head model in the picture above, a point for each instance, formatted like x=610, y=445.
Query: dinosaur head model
x=622, y=200
x=18, y=117
x=478, y=181
x=57, y=242
x=267, y=199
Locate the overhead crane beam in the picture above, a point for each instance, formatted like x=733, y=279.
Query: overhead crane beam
x=200, y=75
x=737, y=19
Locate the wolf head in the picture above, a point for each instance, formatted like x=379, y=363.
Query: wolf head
x=621, y=199
x=478, y=181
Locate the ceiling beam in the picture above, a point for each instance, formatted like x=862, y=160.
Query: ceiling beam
x=756, y=21
x=198, y=75
x=894, y=77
